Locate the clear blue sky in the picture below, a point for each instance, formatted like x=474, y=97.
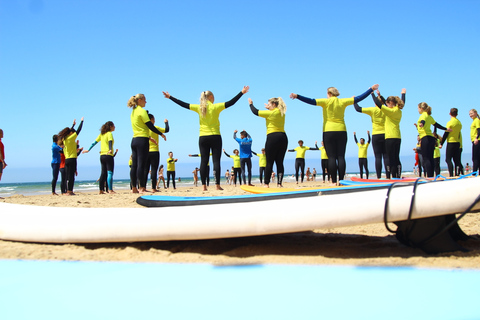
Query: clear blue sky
x=63, y=60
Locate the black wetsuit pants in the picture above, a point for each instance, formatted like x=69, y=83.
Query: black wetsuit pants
x=139, y=162
x=153, y=161
x=299, y=166
x=248, y=163
x=392, y=147
x=275, y=149
x=335, y=143
x=453, y=152
x=210, y=144
x=428, y=148
x=378, y=144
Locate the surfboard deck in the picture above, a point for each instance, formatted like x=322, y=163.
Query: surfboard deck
x=321, y=190
x=229, y=220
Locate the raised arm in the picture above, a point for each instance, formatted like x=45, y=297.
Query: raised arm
x=366, y=93
x=254, y=110
x=179, y=102
x=355, y=137
x=237, y=97
x=303, y=99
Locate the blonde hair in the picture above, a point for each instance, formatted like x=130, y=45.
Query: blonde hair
x=475, y=112
x=132, y=102
x=279, y=104
x=204, y=102
x=399, y=102
x=333, y=91
x=425, y=107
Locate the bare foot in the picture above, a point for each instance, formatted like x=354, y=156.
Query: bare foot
x=251, y=185
x=111, y=192
x=155, y=190
x=70, y=193
x=101, y=192
x=134, y=190
x=218, y=187
x=54, y=194
x=205, y=188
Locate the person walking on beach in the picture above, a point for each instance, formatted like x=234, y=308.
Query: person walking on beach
x=237, y=168
x=262, y=163
x=300, y=159
x=210, y=140
x=453, y=143
x=195, y=176
x=3, y=164
x=208, y=166
x=56, y=160
x=277, y=140
x=427, y=140
x=153, y=158
x=171, y=170
x=68, y=136
x=107, y=161
x=334, y=128
x=141, y=126
x=392, y=108
x=245, y=146
x=378, y=137
x=362, y=154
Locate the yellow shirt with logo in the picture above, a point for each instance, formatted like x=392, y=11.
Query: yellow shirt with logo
x=301, y=151
x=170, y=164
x=153, y=147
x=426, y=130
x=362, y=149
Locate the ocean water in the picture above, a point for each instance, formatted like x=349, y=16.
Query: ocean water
x=40, y=188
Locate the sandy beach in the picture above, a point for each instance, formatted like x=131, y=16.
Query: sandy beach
x=367, y=245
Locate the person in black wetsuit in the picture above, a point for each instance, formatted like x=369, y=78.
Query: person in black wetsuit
x=210, y=140
x=362, y=154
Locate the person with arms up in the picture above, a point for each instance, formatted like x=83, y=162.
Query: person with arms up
x=362, y=154
x=334, y=128
x=68, y=137
x=245, y=146
x=300, y=158
x=210, y=140
x=277, y=140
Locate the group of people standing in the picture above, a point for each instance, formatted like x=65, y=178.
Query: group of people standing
x=386, y=139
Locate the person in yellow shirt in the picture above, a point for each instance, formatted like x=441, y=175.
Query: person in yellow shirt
x=300, y=159
x=324, y=158
x=210, y=140
x=106, y=156
x=427, y=140
x=362, y=154
x=453, y=139
x=171, y=170
x=436, y=157
x=153, y=158
x=334, y=128
x=277, y=141
x=237, y=168
x=69, y=136
x=378, y=136
x=474, y=136
x=262, y=163
x=392, y=108
x=141, y=126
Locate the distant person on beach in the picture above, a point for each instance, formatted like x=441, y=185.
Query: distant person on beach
x=141, y=126
x=68, y=136
x=245, y=146
x=227, y=176
x=153, y=158
x=262, y=163
x=208, y=166
x=277, y=141
x=378, y=137
x=300, y=159
x=467, y=168
x=210, y=139
x=334, y=128
x=453, y=139
x=171, y=169
x=362, y=154
x=427, y=140
x=56, y=160
x=392, y=108
x=237, y=169
x=161, y=177
x=474, y=136
x=107, y=161
x=195, y=176
x=3, y=164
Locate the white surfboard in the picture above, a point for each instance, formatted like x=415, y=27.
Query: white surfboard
x=88, y=225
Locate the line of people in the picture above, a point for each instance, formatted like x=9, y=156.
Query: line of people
x=386, y=139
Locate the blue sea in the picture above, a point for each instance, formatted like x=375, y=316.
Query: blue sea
x=40, y=188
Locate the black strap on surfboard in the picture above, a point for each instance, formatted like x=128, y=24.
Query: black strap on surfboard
x=432, y=235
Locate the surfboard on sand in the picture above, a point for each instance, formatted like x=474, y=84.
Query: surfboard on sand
x=228, y=220
x=257, y=194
